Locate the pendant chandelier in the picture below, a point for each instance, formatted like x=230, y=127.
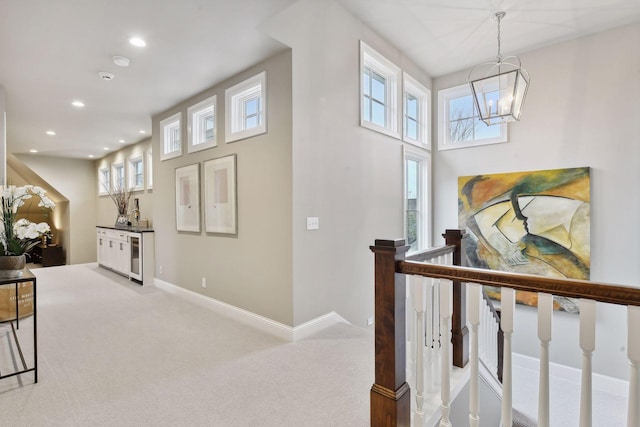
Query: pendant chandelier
x=499, y=87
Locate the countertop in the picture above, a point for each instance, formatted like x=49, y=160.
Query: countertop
x=129, y=228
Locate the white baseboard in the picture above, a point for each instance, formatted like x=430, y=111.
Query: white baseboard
x=257, y=321
x=599, y=382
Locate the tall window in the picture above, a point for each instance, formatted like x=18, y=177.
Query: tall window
x=378, y=92
x=246, y=107
x=118, y=176
x=136, y=173
x=416, y=112
x=459, y=122
x=417, y=165
x=170, y=137
x=202, y=125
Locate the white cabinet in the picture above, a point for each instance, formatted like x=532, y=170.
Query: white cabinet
x=126, y=252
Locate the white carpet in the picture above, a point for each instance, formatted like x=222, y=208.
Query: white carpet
x=112, y=353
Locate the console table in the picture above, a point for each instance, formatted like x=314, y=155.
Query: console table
x=26, y=276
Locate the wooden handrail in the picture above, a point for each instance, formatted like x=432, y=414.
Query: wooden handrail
x=573, y=288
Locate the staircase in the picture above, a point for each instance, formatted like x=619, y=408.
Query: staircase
x=447, y=314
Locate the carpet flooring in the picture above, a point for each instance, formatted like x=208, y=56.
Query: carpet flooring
x=112, y=353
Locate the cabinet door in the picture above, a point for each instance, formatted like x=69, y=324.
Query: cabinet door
x=122, y=256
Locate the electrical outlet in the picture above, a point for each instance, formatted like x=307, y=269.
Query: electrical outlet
x=370, y=321
x=204, y=282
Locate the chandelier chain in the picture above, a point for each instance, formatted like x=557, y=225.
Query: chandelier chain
x=499, y=16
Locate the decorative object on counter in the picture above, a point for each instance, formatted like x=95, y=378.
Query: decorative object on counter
x=19, y=236
x=136, y=212
x=121, y=197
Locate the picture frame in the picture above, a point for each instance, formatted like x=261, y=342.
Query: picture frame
x=188, y=198
x=220, y=195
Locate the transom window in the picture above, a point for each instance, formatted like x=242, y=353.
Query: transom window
x=416, y=113
x=374, y=97
x=459, y=121
x=136, y=173
x=202, y=125
x=104, y=180
x=118, y=176
x=378, y=92
x=170, y=134
x=246, y=103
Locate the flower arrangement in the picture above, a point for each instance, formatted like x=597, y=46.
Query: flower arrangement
x=18, y=237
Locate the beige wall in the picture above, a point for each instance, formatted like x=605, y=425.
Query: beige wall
x=76, y=181
x=253, y=269
x=582, y=109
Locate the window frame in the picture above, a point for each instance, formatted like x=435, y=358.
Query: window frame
x=423, y=157
x=423, y=120
x=193, y=125
x=165, y=126
x=131, y=162
x=103, y=180
x=444, y=98
x=236, y=98
x=372, y=60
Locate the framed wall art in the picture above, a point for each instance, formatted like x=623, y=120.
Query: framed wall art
x=188, y=198
x=220, y=195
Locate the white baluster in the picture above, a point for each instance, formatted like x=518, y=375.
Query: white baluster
x=429, y=332
x=633, y=352
x=506, y=321
x=473, y=291
x=545, y=316
x=587, y=344
x=437, y=334
x=446, y=309
x=417, y=290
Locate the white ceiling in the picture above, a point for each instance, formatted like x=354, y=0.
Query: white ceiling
x=51, y=52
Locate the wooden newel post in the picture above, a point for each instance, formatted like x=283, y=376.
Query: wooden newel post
x=459, y=330
x=390, y=396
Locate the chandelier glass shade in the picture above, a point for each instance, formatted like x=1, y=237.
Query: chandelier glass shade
x=499, y=88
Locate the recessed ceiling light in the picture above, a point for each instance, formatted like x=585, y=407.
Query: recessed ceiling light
x=91, y=156
x=121, y=141
x=104, y=75
x=33, y=151
x=121, y=61
x=106, y=148
x=137, y=41
x=143, y=131
x=78, y=103
x=50, y=132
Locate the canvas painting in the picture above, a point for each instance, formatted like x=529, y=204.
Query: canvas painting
x=528, y=222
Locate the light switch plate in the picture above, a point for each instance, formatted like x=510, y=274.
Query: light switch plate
x=313, y=223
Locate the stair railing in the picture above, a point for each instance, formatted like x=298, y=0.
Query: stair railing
x=390, y=394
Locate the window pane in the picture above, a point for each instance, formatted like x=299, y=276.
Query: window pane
x=377, y=114
x=461, y=130
x=251, y=106
x=461, y=108
x=411, y=129
x=412, y=107
x=251, y=122
x=482, y=131
x=367, y=109
x=413, y=186
x=378, y=87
